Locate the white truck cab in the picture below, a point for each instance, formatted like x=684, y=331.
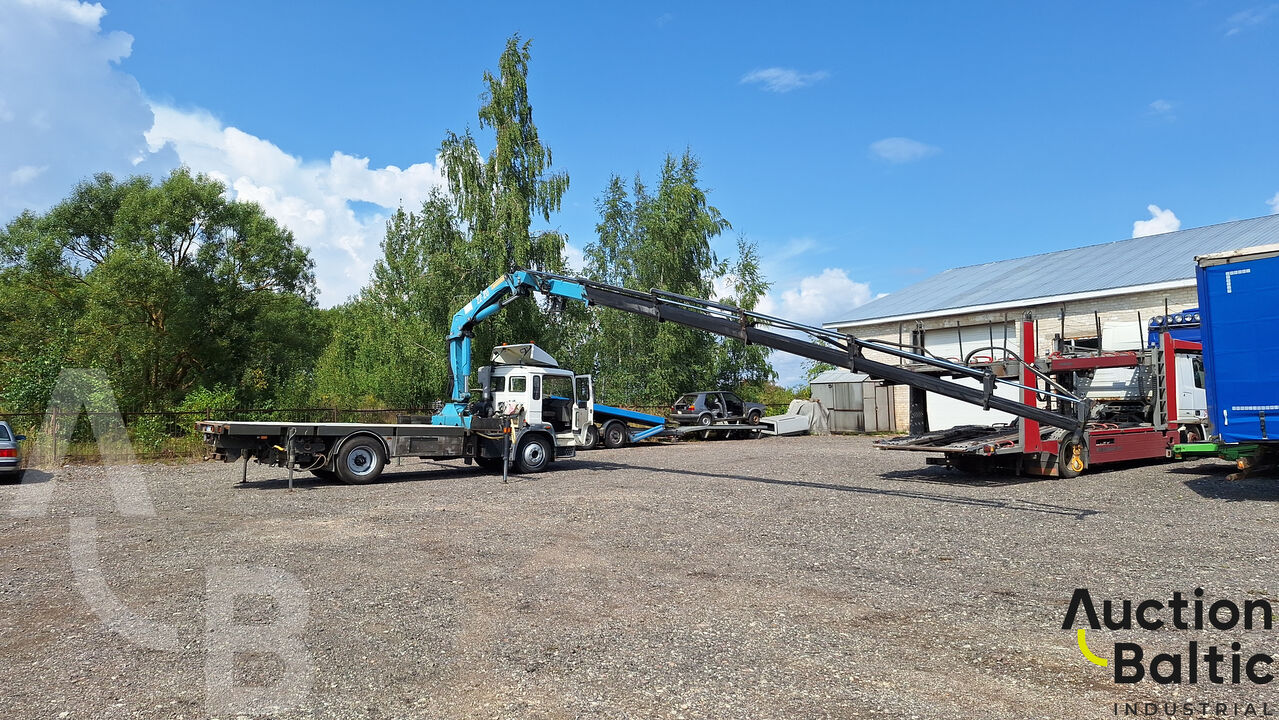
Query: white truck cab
x=527, y=376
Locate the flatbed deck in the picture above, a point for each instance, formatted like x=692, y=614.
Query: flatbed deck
x=249, y=428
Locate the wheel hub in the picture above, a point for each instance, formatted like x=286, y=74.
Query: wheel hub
x=360, y=461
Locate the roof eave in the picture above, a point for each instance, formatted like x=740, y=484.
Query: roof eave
x=1009, y=304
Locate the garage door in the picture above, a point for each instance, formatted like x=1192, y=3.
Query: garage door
x=955, y=343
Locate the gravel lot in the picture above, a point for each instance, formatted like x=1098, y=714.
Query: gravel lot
x=783, y=577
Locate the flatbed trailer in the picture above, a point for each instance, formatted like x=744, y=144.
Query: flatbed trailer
x=351, y=452
x=616, y=426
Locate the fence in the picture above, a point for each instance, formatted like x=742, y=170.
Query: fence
x=171, y=434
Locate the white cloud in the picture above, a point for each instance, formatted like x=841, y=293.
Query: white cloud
x=310, y=198
x=1161, y=221
x=69, y=10
x=1162, y=108
x=1274, y=204
x=26, y=174
x=574, y=258
x=1251, y=17
x=781, y=80
x=812, y=300
x=902, y=150
x=66, y=109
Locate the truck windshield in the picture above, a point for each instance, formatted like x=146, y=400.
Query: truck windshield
x=498, y=384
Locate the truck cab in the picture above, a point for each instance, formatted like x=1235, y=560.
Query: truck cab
x=527, y=377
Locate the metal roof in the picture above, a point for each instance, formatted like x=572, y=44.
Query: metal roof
x=1131, y=263
x=838, y=376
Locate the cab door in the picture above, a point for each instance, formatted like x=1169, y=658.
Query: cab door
x=1192, y=400
x=583, y=407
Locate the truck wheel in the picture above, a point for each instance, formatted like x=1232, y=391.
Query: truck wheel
x=614, y=435
x=592, y=437
x=1069, y=465
x=534, y=455
x=705, y=419
x=360, y=461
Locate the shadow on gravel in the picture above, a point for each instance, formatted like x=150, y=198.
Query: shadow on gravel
x=28, y=477
x=1259, y=488
x=392, y=475
x=946, y=476
x=990, y=503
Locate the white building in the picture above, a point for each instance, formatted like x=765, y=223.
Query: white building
x=1093, y=296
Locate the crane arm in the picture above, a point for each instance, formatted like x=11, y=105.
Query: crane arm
x=828, y=346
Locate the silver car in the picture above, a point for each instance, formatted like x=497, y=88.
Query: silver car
x=10, y=460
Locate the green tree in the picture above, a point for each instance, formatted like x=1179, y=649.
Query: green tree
x=389, y=344
x=168, y=287
x=739, y=365
x=662, y=240
x=497, y=196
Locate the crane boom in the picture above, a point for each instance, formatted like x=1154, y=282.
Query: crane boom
x=828, y=346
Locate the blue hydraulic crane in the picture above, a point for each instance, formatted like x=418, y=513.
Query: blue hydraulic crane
x=825, y=345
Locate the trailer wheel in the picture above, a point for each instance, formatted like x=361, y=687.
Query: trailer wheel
x=360, y=461
x=614, y=435
x=533, y=455
x=592, y=437
x=1069, y=463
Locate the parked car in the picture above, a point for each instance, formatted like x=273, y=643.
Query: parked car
x=712, y=406
x=10, y=460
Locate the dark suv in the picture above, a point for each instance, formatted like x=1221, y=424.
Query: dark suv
x=706, y=408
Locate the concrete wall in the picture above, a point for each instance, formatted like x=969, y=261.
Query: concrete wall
x=1080, y=323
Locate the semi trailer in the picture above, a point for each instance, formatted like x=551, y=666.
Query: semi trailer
x=529, y=412
x=1238, y=307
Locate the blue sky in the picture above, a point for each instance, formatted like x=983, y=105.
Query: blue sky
x=864, y=146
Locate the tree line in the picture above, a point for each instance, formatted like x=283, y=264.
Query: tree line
x=191, y=300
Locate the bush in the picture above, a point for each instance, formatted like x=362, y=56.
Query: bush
x=149, y=434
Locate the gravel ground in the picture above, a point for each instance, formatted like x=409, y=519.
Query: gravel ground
x=783, y=577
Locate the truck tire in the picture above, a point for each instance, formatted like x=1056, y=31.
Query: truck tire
x=592, y=437
x=1068, y=464
x=533, y=455
x=615, y=435
x=360, y=461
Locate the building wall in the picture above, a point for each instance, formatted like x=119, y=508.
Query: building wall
x=1080, y=322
